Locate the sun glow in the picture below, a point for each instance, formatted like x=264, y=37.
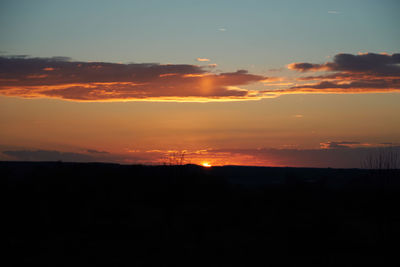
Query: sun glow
x=206, y=164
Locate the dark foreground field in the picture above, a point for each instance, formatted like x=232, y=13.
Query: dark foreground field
x=107, y=214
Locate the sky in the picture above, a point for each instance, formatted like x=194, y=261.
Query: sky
x=264, y=83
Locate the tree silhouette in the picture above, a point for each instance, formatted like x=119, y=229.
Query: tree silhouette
x=382, y=159
x=176, y=158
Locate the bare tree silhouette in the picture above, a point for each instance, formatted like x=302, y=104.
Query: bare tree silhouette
x=382, y=159
x=176, y=158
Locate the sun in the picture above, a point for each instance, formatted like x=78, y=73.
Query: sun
x=206, y=164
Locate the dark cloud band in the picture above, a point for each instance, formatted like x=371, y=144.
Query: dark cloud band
x=60, y=77
x=368, y=72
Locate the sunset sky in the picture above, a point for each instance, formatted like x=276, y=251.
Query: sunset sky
x=265, y=83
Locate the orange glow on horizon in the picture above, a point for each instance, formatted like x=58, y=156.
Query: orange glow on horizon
x=206, y=164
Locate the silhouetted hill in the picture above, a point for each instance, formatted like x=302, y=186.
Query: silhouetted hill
x=110, y=214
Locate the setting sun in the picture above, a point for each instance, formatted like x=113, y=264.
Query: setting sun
x=206, y=164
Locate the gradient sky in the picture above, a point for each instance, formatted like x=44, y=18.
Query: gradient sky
x=277, y=83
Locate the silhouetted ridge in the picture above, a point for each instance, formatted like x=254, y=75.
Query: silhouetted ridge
x=133, y=215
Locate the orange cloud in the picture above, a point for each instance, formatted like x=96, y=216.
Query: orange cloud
x=100, y=81
x=202, y=59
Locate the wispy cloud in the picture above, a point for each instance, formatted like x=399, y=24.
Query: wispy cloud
x=202, y=59
x=340, y=144
x=48, y=155
x=354, y=144
x=94, y=151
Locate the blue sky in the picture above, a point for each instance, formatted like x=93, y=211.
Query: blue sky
x=258, y=35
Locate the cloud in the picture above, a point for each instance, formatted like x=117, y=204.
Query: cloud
x=365, y=63
x=47, y=155
x=340, y=144
x=94, y=151
x=202, y=59
x=354, y=144
x=334, y=157
x=347, y=73
x=305, y=67
x=63, y=78
x=361, y=86
x=89, y=155
x=222, y=29
x=335, y=154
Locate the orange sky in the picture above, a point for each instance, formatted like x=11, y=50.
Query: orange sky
x=133, y=130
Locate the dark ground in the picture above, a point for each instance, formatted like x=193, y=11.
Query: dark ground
x=108, y=214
